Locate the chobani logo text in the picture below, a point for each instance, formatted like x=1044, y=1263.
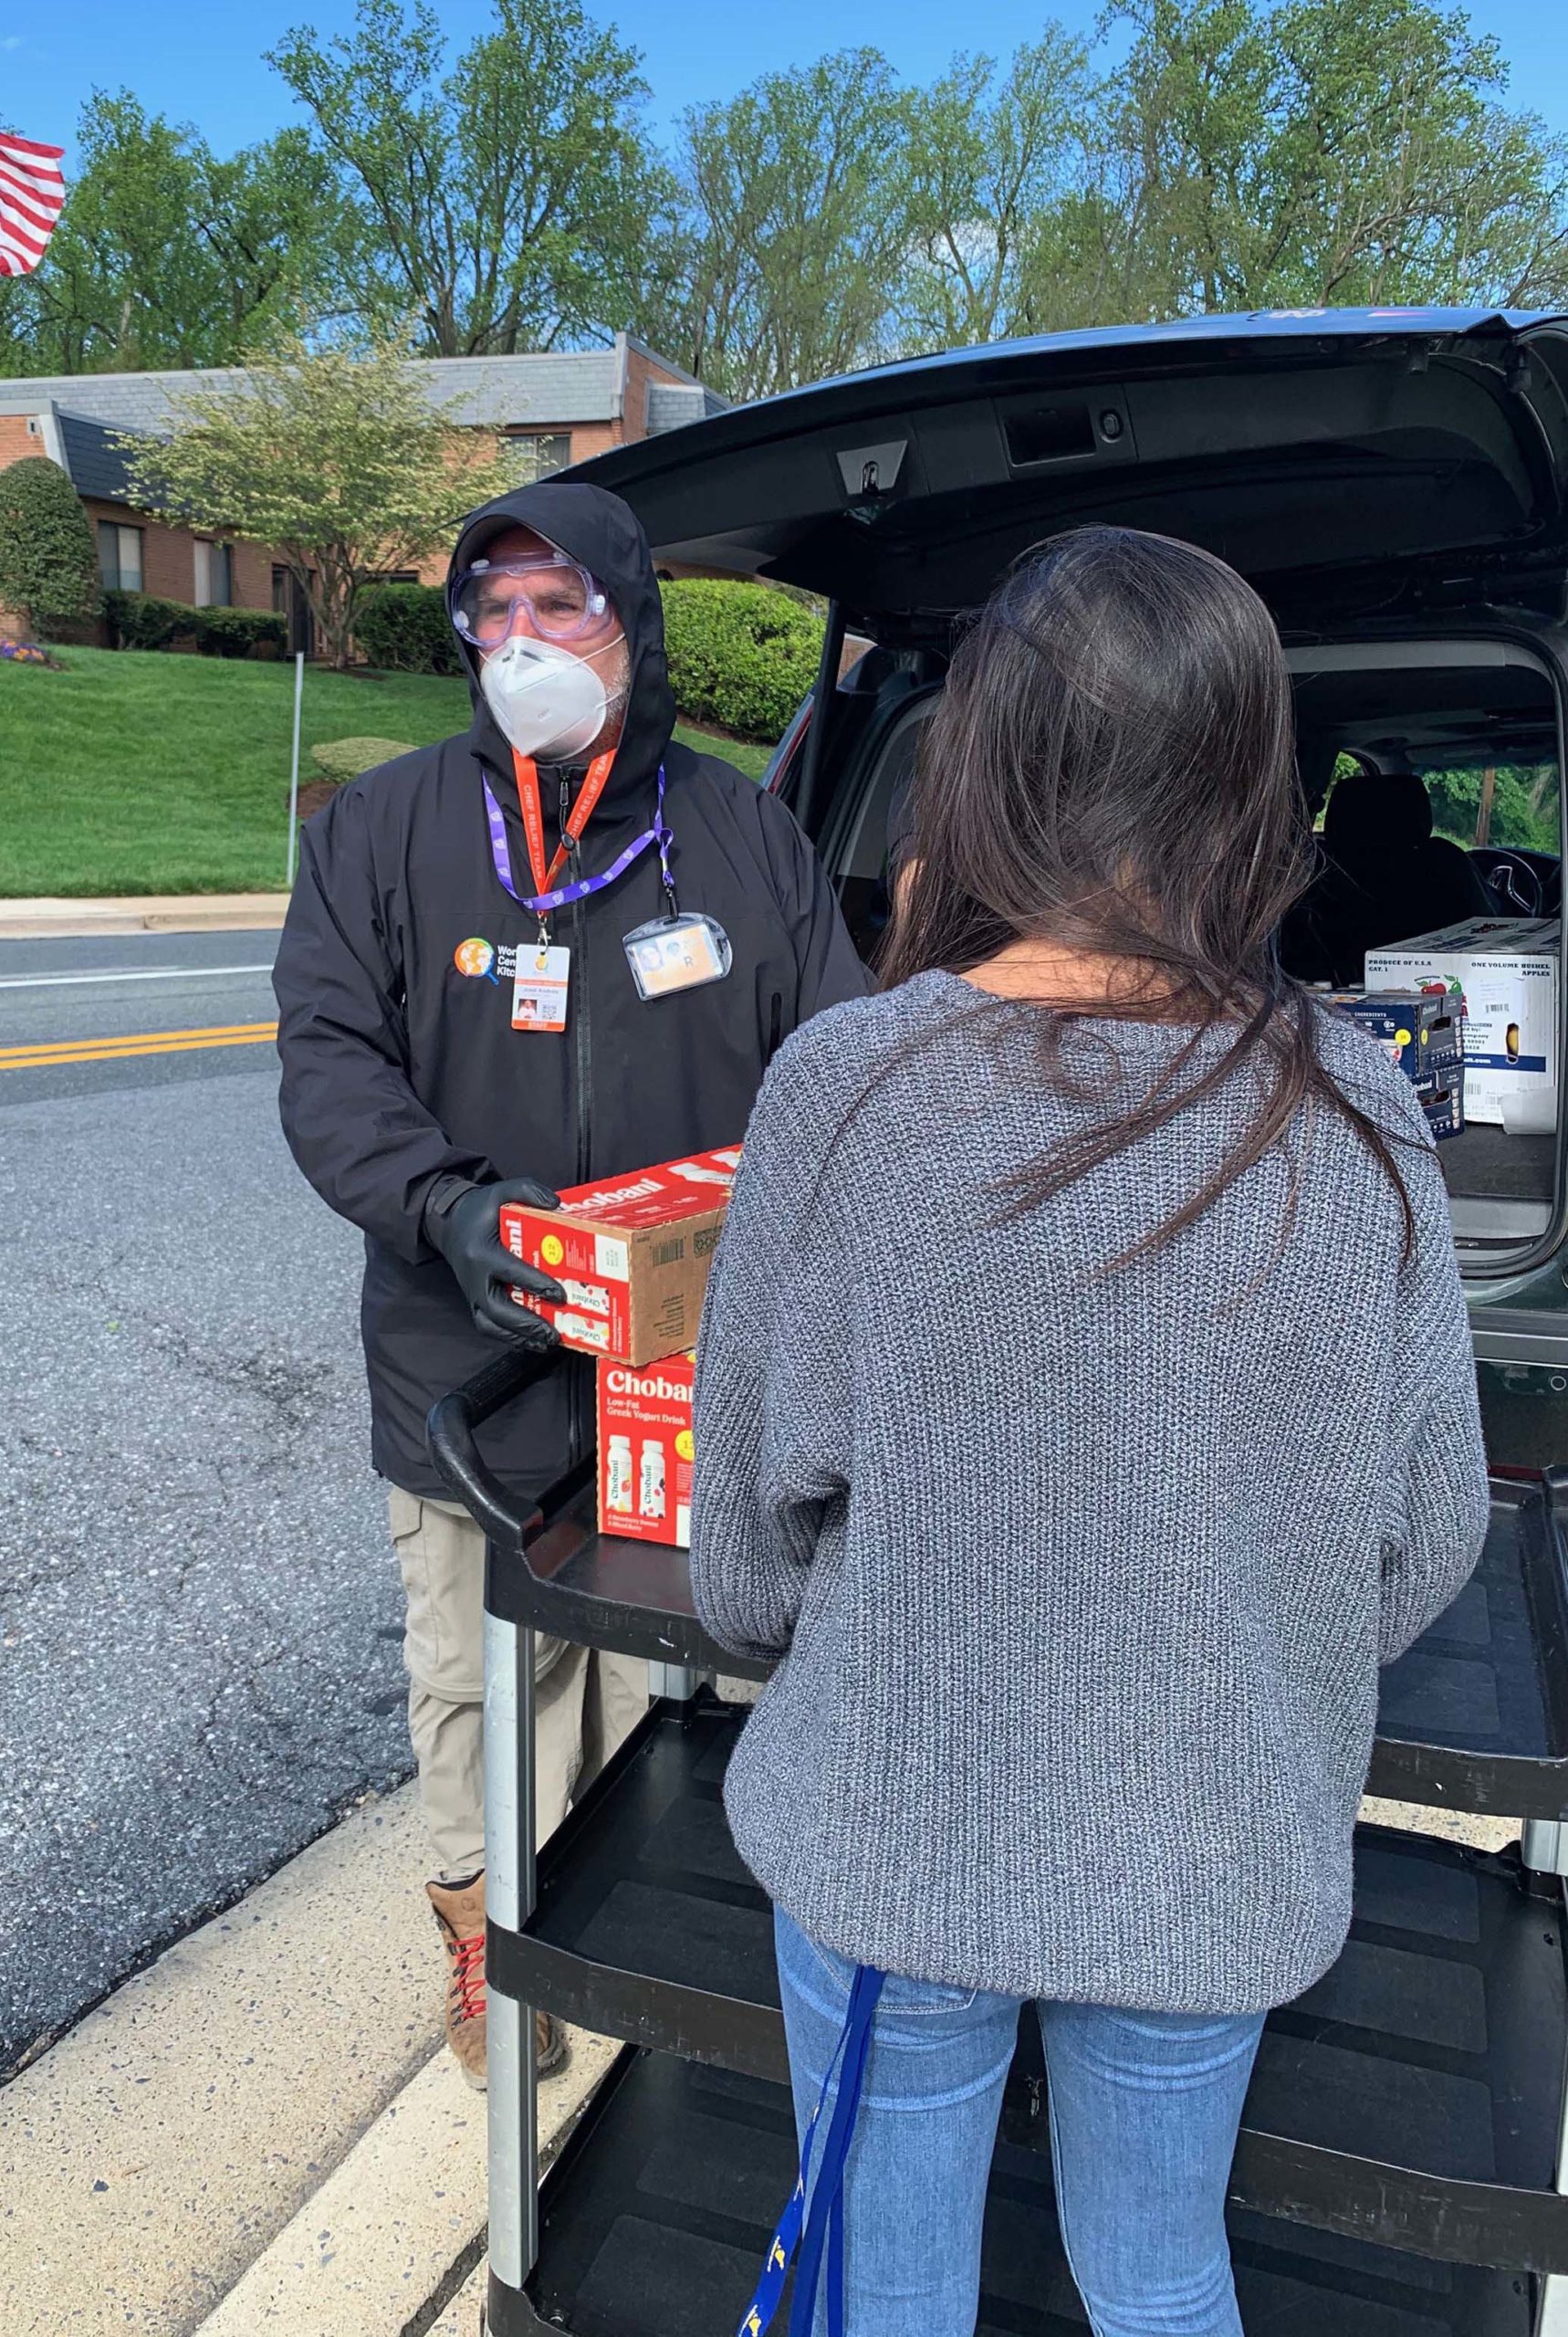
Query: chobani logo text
x=657, y=1389
x=636, y=1192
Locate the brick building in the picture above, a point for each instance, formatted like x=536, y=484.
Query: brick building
x=559, y=408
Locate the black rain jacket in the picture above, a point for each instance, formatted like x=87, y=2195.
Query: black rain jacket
x=399, y=1070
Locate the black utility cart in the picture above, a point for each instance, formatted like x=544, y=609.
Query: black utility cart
x=1402, y=2158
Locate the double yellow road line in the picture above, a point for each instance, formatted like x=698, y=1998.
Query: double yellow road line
x=50, y=1051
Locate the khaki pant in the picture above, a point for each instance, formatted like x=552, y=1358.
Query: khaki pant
x=586, y=1702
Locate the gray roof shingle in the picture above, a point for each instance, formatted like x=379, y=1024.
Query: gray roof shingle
x=95, y=464
x=672, y=404
x=539, y=389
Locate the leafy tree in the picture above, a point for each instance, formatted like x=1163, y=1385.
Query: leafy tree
x=335, y=457
x=165, y=255
x=988, y=164
x=1523, y=806
x=1304, y=154
x=48, y=566
x=502, y=203
x=797, y=226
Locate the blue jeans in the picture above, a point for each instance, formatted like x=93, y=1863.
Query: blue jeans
x=1145, y=2107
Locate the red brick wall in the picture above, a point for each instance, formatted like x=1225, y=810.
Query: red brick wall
x=16, y=441
x=169, y=559
x=594, y=439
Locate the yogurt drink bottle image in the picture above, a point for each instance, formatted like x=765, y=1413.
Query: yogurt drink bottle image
x=618, y=1491
x=650, y=1489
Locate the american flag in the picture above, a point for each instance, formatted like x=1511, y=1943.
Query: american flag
x=31, y=193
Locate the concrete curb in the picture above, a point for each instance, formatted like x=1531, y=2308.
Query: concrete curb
x=156, y=2150
x=59, y=917
x=373, y=2250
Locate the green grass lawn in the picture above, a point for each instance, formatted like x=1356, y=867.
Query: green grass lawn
x=140, y=772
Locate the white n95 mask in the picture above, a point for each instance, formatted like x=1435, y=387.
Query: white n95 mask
x=549, y=704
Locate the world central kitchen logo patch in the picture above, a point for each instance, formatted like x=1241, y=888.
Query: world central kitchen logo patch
x=485, y=961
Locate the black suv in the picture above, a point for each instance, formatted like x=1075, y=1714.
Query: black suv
x=1395, y=482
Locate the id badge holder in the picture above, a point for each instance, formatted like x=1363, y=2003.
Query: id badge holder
x=675, y=953
x=540, y=988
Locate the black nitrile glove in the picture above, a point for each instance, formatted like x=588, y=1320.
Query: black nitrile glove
x=463, y=1222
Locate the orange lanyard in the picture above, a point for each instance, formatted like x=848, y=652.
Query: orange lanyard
x=577, y=819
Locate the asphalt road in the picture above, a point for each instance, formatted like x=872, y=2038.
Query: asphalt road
x=199, y=1613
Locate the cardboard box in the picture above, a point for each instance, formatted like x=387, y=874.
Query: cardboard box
x=1423, y=1032
x=631, y=1253
x=1506, y=971
x=645, y=1450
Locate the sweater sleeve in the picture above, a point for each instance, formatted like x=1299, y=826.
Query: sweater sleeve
x=351, y=1119
x=1439, y=1502
x=774, y=1379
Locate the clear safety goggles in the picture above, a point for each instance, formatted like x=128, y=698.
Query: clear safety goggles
x=546, y=595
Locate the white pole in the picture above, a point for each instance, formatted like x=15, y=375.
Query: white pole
x=294, y=778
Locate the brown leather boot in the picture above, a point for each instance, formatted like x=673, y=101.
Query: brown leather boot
x=461, y=1915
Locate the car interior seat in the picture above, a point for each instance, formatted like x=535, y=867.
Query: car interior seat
x=1383, y=876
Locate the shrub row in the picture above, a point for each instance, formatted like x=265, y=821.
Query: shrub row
x=142, y=621
x=404, y=627
x=741, y=655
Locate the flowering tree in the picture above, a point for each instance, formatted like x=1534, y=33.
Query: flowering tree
x=336, y=458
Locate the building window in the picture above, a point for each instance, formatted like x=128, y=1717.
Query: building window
x=534, y=453
x=215, y=575
x=119, y=557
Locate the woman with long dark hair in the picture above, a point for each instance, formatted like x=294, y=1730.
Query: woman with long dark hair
x=1085, y=1411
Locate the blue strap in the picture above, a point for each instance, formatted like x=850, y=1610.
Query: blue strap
x=825, y=2220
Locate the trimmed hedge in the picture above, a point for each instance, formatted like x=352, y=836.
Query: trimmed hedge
x=741, y=655
x=142, y=621
x=48, y=561
x=404, y=628
x=234, y=633
x=341, y=758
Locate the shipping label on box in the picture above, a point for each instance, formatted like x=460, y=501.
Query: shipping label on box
x=645, y=1450
x=1506, y=971
x=631, y=1253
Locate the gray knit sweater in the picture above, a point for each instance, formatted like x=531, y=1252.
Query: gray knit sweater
x=1081, y=1581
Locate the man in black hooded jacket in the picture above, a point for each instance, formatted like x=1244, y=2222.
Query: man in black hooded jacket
x=418, y=1091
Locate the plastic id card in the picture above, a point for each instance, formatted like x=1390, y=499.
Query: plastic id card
x=539, y=991
x=677, y=953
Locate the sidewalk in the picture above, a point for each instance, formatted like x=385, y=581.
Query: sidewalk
x=23, y=920
x=263, y=2134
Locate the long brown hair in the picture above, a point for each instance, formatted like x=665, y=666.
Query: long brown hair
x=1111, y=769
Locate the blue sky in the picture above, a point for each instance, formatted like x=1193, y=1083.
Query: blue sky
x=202, y=63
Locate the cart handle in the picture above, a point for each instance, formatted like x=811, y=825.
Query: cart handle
x=454, y=1450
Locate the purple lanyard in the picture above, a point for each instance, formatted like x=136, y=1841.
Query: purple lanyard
x=541, y=904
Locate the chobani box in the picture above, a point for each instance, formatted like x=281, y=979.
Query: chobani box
x=631, y=1254
x=1506, y=971
x=645, y=1449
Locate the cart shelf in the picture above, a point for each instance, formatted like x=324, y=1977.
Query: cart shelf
x=655, y=2222
x=1474, y=1717
x=1421, y=2081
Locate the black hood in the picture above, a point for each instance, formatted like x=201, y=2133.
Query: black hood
x=599, y=530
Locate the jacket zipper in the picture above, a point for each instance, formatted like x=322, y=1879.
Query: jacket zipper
x=578, y=1424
